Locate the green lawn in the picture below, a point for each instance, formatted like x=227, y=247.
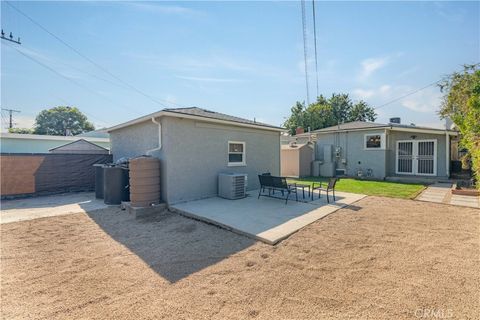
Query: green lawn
x=371, y=188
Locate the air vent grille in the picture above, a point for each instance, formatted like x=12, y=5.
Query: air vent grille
x=232, y=185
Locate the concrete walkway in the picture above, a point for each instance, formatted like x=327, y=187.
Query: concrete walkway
x=441, y=193
x=265, y=219
x=48, y=206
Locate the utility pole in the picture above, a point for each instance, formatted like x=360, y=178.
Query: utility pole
x=10, y=113
x=9, y=38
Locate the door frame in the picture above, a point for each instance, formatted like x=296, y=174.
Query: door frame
x=415, y=157
x=397, y=154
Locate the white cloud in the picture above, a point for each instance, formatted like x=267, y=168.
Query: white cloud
x=363, y=94
x=425, y=101
x=384, y=91
x=369, y=66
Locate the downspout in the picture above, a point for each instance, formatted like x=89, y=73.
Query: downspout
x=386, y=153
x=159, y=137
x=447, y=153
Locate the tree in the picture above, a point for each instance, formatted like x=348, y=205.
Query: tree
x=297, y=117
x=328, y=112
x=362, y=112
x=461, y=103
x=62, y=121
x=20, y=130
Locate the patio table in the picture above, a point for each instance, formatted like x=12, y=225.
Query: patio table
x=303, y=186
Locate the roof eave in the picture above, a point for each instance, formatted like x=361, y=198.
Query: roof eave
x=393, y=128
x=50, y=137
x=425, y=130
x=193, y=117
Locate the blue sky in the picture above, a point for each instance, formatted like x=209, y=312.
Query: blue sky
x=240, y=58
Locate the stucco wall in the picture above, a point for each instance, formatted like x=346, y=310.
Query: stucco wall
x=193, y=153
x=441, y=150
x=352, y=150
x=382, y=162
x=137, y=140
x=134, y=140
x=196, y=152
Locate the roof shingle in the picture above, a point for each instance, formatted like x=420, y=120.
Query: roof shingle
x=199, y=112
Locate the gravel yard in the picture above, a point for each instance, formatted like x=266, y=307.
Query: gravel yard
x=382, y=258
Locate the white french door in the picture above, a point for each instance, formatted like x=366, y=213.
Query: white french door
x=417, y=157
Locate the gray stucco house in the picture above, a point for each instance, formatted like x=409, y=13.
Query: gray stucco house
x=194, y=145
x=381, y=151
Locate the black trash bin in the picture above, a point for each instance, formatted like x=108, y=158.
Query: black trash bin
x=99, y=180
x=456, y=166
x=115, y=185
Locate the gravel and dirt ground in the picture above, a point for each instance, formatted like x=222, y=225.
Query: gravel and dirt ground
x=380, y=259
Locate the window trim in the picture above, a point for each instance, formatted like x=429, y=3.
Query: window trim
x=382, y=141
x=244, y=154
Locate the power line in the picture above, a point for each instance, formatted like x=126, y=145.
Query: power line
x=315, y=42
x=407, y=95
x=90, y=60
x=305, y=49
x=80, y=70
x=66, y=78
x=414, y=91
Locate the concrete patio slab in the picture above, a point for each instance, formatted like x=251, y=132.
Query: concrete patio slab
x=48, y=206
x=265, y=219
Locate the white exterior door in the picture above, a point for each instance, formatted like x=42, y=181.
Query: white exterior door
x=417, y=157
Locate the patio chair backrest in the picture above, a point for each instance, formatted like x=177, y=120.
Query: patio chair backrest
x=265, y=180
x=331, y=183
x=279, y=182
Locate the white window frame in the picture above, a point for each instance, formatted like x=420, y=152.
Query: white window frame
x=244, y=154
x=382, y=141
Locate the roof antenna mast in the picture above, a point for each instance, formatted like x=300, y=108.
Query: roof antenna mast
x=305, y=49
x=315, y=41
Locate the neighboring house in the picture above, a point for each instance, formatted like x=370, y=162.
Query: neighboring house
x=34, y=143
x=382, y=150
x=80, y=146
x=194, y=145
x=296, y=159
x=99, y=133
